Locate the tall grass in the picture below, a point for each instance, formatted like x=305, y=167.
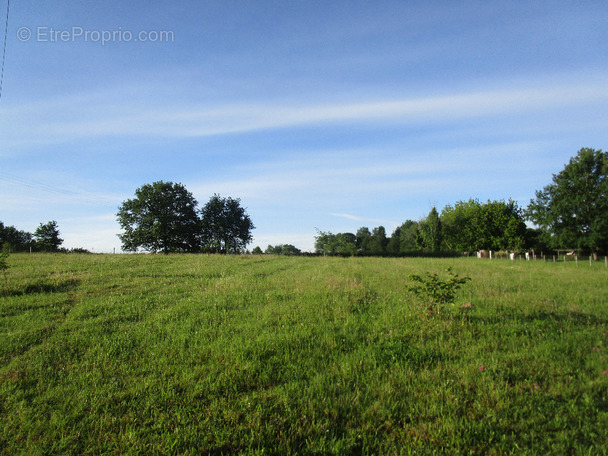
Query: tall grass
x=188, y=354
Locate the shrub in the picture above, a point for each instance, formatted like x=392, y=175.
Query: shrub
x=437, y=291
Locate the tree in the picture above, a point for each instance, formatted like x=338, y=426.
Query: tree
x=378, y=242
x=430, y=232
x=505, y=226
x=394, y=243
x=282, y=249
x=469, y=226
x=363, y=239
x=572, y=211
x=47, y=237
x=346, y=244
x=14, y=240
x=409, y=237
x=226, y=227
x=161, y=217
x=326, y=243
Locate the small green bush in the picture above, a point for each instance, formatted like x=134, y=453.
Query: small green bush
x=437, y=291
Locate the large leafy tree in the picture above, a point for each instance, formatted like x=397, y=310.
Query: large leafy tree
x=470, y=225
x=47, y=237
x=226, y=226
x=344, y=244
x=572, y=211
x=161, y=218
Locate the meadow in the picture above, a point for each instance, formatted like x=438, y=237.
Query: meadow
x=196, y=354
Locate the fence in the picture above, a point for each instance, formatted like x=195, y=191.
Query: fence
x=559, y=257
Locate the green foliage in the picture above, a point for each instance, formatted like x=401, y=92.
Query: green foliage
x=281, y=249
x=47, y=237
x=573, y=210
x=409, y=237
x=430, y=231
x=226, y=226
x=436, y=290
x=378, y=242
x=362, y=241
x=343, y=244
x=469, y=226
x=162, y=217
x=14, y=240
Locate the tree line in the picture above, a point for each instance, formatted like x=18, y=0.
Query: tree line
x=569, y=213
x=467, y=226
x=44, y=239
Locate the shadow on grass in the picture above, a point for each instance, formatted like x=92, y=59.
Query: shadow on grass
x=42, y=287
x=540, y=316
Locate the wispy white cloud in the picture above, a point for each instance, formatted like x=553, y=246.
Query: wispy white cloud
x=61, y=120
x=24, y=191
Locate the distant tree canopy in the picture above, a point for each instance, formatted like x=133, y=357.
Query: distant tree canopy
x=465, y=227
x=226, y=227
x=572, y=211
x=569, y=213
x=14, y=240
x=163, y=217
x=47, y=237
x=282, y=249
x=469, y=226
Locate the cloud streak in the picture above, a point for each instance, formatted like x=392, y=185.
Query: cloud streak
x=100, y=118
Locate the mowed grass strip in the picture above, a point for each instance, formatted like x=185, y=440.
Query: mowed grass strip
x=195, y=354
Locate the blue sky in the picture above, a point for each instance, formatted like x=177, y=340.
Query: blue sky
x=316, y=114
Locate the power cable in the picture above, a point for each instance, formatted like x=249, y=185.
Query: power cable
x=8, y=4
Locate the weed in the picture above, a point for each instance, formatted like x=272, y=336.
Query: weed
x=435, y=290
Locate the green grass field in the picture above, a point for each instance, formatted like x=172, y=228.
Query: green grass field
x=193, y=354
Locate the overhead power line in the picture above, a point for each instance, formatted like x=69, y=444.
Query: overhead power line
x=8, y=4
